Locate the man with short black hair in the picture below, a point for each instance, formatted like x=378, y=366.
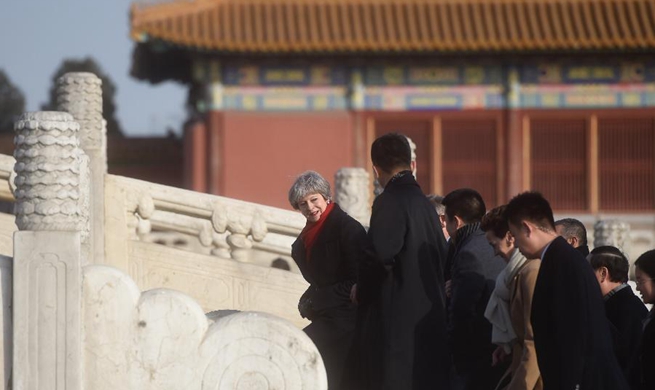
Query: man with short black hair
x=474, y=269
x=571, y=334
x=574, y=232
x=401, y=341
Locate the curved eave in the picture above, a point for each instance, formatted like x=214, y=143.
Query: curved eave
x=395, y=26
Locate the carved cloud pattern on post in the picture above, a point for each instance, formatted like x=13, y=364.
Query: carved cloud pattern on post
x=352, y=193
x=48, y=166
x=80, y=94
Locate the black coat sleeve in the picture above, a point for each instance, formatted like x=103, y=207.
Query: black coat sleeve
x=468, y=284
x=570, y=308
x=353, y=243
x=386, y=238
x=344, y=255
x=388, y=229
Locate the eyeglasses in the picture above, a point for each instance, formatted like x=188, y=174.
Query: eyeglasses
x=640, y=282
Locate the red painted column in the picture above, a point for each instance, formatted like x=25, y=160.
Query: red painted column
x=360, y=146
x=514, y=153
x=515, y=150
x=195, y=156
x=215, y=152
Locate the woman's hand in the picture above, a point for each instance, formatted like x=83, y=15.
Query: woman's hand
x=498, y=356
x=353, y=294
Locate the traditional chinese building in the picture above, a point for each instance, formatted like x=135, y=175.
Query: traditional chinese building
x=499, y=95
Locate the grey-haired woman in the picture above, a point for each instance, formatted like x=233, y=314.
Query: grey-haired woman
x=327, y=252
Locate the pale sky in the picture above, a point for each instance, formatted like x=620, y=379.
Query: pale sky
x=36, y=35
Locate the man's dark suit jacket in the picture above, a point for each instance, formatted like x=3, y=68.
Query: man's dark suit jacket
x=474, y=271
x=583, y=249
x=571, y=332
x=626, y=312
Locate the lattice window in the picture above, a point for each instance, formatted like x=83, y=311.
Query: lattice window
x=626, y=158
x=558, y=150
x=470, y=157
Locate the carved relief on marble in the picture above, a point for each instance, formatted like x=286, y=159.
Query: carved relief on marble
x=80, y=94
x=49, y=165
x=352, y=192
x=47, y=309
x=218, y=283
x=225, y=231
x=161, y=339
x=611, y=232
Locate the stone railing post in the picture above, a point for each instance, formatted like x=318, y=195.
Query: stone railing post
x=47, y=253
x=351, y=193
x=611, y=232
x=80, y=94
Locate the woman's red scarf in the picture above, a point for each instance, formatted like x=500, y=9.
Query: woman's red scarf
x=312, y=230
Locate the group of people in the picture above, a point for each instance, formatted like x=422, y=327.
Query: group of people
x=455, y=297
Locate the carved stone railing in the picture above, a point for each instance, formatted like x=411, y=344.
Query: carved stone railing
x=90, y=326
x=611, y=232
x=162, y=339
x=352, y=193
x=7, y=220
x=48, y=252
x=222, y=227
x=80, y=94
x=51, y=175
x=7, y=175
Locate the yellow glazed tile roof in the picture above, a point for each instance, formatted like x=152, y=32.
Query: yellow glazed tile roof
x=297, y=26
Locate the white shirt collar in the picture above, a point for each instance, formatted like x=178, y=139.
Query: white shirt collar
x=545, y=249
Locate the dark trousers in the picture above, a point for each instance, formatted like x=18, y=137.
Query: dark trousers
x=481, y=377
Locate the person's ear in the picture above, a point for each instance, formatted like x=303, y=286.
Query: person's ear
x=527, y=228
x=460, y=222
x=412, y=166
x=442, y=219
x=509, y=238
x=375, y=171
x=574, y=242
x=604, y=272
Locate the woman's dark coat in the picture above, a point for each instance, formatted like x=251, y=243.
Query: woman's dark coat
x=571, y=332
x=331, y=272
x=401, y=331
x=647, y=354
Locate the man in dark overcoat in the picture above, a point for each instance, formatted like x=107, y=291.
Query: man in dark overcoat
x=574, y=232
x=624, y=310
x=571, y=334
x=475, y=268
x=401, y=335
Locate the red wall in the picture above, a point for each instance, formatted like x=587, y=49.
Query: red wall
x=264, y=152
x=159, y=160
x=155, y=159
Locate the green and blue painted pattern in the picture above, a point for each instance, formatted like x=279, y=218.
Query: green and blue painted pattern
x=431, y=87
